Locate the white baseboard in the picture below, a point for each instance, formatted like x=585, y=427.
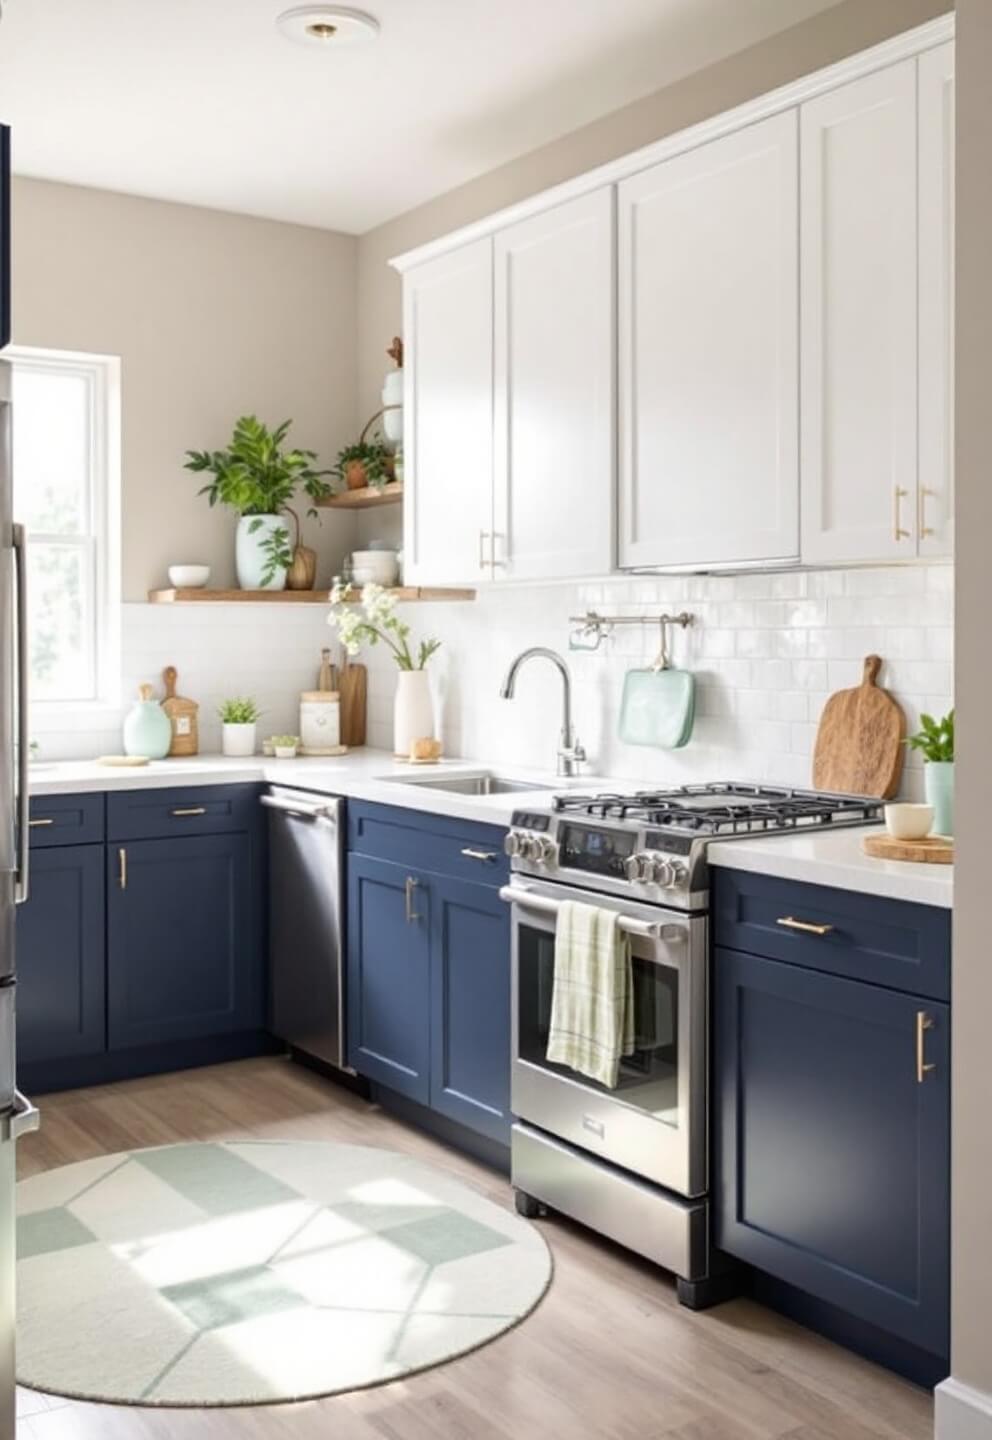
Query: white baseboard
x=962, y=1413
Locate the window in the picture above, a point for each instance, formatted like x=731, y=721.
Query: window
x=66, y=494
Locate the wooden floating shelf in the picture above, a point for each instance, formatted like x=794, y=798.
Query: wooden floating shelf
x=366, y=499
x=405, y=593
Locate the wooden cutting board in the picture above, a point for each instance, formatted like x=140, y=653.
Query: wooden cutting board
x=353, y=685
x=931, y=850
x=859, y=745
x=182, y=715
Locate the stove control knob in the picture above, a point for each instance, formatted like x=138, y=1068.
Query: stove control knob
x=546, y=850
x=680, y=875
x=512, y=845
x=663, y=873
x=637, y=867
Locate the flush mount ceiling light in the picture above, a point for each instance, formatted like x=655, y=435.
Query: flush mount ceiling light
x=327, y=26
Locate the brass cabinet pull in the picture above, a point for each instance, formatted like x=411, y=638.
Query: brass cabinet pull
x=486, y=856
x=33, y=823
x=122, y=870
x=898, y=496
x=411, y=914
x=923, y=529
x=923, y=1024
x=788, y=922
x=191, y=810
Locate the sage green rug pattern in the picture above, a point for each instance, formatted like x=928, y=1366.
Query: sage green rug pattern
x=259, y=1271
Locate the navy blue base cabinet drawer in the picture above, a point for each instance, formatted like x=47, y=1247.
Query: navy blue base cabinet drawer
x=885, y=942
x=429, y=964
x=61, y=984
x=832, y=1124
x=196, y=810
x=66, y=820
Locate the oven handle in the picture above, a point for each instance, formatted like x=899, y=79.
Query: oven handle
x=653, y=929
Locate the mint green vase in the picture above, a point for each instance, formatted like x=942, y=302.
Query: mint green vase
x=938, y=779
x=147, y=728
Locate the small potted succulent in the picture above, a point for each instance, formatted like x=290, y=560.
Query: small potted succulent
x=284, y=747
x=935, y=741
x=258, y=478
x=239, y=717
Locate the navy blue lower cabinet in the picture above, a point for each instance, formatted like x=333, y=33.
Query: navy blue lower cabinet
x=61, y=991
x=184, y=943
x=470, y=1006
x=832, y=1141
x=389, y=927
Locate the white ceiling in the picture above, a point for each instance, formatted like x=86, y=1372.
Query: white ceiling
x=203, y=101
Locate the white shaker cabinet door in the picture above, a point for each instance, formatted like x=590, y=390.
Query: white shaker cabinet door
x=858, y=304
x=708, y=342
x=448, y=417
x=935, y=514
x=554, y=392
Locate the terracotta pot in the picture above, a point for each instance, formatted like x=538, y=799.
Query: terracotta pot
x=354, y=474
x=303, y=571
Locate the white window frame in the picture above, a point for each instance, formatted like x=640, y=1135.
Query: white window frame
x=102, y=376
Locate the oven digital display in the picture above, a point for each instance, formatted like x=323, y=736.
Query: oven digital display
x=665, y=840
x=601, y=852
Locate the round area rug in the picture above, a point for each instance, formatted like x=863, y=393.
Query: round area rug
x=259, y=1271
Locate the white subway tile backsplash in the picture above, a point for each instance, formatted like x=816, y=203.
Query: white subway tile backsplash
x=767, y=649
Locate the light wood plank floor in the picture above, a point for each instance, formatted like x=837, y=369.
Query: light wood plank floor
x=608, y=1354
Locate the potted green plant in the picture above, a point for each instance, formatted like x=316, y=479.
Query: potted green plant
x=284, y=747
x=239, y=716
x=257, y=478
x=375, y=622
x=365, y=465
x=935, y=741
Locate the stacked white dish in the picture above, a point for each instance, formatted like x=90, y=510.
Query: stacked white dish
x=375, y=567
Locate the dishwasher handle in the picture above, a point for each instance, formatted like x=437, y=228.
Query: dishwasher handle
x=302, y=809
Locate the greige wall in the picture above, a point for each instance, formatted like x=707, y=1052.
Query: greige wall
x=971, y=1347
x=827, y=37
x=213, y=315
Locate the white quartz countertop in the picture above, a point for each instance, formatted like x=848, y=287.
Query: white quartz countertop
x=835, y=857
x=372, y=775
x=832, y=857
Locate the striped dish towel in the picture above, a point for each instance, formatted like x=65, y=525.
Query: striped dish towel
x=592, y=1010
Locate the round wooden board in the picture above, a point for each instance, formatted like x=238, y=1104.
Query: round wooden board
x=932, y=850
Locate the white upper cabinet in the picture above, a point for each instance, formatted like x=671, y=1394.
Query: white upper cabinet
x=554, y=448
x=708, y=340
x=935, y=512
x=859, y=300
x=448, y=417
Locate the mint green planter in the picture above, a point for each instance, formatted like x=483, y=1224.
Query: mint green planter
x=938, y=778
x=147, y=730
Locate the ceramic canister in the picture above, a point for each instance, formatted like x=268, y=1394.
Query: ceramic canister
x=147, y=728
x=320, y=722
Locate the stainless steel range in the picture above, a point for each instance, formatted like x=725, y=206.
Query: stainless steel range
x=631, y=1162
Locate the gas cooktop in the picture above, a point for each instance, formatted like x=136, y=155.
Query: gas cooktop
x=724, y=808
x=652, y=843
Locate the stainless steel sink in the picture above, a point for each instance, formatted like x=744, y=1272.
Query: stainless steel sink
x=469, y=784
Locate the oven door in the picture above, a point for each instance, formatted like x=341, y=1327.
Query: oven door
x=654, y=1123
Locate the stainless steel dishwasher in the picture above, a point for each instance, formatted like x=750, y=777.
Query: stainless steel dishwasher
x=306, y=899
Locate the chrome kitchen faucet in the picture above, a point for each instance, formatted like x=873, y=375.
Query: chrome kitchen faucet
x=570, y=751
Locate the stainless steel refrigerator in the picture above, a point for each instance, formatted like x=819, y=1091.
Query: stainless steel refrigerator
x=17, y=1115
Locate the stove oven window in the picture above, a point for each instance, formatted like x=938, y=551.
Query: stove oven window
x=649, y=1077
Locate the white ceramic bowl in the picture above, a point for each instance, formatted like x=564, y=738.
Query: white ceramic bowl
x=189, y=577
x=908, y=822
x=376, y=567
